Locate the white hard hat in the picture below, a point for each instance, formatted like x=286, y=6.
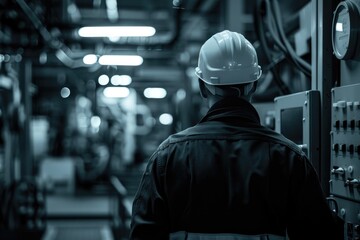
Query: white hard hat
x=228, y=58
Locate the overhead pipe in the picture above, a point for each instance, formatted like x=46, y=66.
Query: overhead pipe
x=64, y=53
x=167, y=40
x=45, y=34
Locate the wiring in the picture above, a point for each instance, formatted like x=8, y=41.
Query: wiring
x=271, y=34
x=274, y=17
x=259, y=29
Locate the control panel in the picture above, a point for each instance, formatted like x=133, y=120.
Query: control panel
x=298, y=118
x=345, y=156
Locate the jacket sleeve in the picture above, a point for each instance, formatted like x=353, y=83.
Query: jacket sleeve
x=310, y=216
x=149, y=211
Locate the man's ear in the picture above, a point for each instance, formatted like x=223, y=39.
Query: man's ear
x=203, y=90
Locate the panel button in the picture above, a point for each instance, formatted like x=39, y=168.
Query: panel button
x=352, y=182
x=343, y=147
x=337, y=124
x=351, y=148
x=352, y=124
x=344, y=124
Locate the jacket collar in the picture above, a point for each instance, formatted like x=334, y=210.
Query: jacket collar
x=232, y=110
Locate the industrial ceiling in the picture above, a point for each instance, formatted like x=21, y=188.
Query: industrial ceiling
x=45, y=32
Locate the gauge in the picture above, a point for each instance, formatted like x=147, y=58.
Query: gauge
x=345, y=30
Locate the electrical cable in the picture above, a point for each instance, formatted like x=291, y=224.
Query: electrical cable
x=279, y=42
x=271, y=23
x=304, y=66
x=259, y=29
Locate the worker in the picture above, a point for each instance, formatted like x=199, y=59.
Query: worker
x=229, y=177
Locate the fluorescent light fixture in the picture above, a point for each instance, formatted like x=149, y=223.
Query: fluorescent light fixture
x=121, y=60
x=117, y=31
x=103, y=80
x=90, y=59
x=121, y=80
x=155, y=93
x=166, y=119
x=116, y=92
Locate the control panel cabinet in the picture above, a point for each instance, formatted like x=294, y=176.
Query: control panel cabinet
x=345, y=156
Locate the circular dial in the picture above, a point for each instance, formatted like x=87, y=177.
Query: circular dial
x=344, y=30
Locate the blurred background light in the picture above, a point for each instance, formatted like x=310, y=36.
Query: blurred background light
x=155, y=93
x=103, y=79
x=90, y=59
x=116, y=92
x=95, y=121
x=65, y=92
x=121, y=60
x=121, y=80
x=117, y=31
x=166, y=119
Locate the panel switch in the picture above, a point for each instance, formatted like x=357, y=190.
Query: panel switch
x=351, y=148
x=341, y=104
x=344, y=124
x=338, y=170
x=353, y=182
x=352, y=124
x=337, y=124
x=343, y=147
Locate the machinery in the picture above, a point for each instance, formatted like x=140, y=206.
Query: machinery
x=331, y=132
x=309, y=52
x=345, y=118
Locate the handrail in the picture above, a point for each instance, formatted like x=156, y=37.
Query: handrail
x=119, y=187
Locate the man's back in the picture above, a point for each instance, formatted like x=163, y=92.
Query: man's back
x=228, y=174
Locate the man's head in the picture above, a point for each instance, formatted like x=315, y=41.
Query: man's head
x=227, y=66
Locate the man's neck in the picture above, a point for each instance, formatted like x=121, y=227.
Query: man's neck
x=211, y=100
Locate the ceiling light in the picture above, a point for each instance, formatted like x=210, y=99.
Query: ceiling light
x=117, y=31
x=103, y=80
x=121, y=60
x=65, y=92
x=166, y=119
x=116, y=92
x=90, y=59
x=155, y=93
x=121, y=80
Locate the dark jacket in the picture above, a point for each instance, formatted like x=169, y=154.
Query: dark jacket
x=229, y=174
